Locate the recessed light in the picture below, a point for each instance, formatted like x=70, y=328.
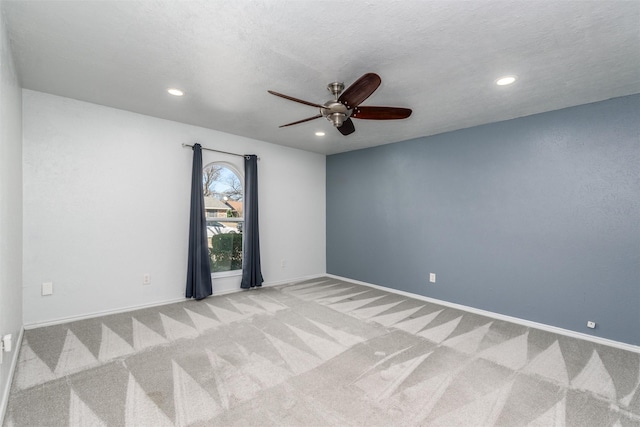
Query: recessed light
x=175, y=92
x=319, y=133
x=506, y=80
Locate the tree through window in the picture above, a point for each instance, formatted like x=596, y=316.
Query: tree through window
x=223, y=203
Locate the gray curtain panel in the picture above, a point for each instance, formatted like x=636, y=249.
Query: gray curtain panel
x=199, y=268
x=251, y=272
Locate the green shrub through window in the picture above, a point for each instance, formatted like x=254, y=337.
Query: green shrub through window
x=226, y=252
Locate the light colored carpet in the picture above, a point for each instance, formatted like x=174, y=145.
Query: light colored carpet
x=316, y=353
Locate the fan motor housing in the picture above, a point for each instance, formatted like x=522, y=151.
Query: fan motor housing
x=336, y=112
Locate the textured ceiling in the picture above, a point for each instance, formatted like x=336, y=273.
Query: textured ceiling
x=439, y=58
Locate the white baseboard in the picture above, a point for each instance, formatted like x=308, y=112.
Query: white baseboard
x=68, y=319
x=498, y=316
x=516, y=320
x=98, y=314
x=7, y=388
x=298, y=279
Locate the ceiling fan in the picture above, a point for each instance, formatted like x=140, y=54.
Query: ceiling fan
x=346, y=105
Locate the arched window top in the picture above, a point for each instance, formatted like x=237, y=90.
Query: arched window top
x=220, y=180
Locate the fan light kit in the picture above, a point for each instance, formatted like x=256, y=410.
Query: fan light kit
x=346, y=105
x=175, y=92
x=506, y=80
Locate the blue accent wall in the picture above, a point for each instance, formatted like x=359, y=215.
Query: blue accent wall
x=536, y=218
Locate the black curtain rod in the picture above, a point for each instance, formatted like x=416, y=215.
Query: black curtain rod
x=219, y=151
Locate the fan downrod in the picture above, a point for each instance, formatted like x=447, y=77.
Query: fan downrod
x=335, y=88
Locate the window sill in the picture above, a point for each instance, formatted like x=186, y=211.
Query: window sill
x=222, y=274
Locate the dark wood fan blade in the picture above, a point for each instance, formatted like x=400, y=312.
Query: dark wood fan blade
x=302, y=121
x=380, y=113
x=360, y=90
x=347, y=127
x=291, y=98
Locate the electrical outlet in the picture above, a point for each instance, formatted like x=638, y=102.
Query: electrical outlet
x=146, y=279
x=5, y=345
x=432, y=277
x=591, y=324
x=47, y=288
x=283, y=263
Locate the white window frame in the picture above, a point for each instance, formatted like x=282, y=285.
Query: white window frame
x=233, y=167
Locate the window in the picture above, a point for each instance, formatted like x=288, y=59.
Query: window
x=223, y=203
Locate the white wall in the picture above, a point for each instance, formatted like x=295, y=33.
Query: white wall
x=106, y=200
x=10, y=207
